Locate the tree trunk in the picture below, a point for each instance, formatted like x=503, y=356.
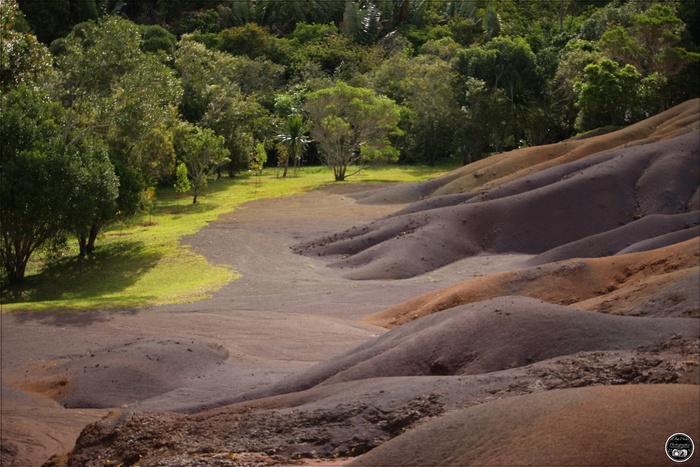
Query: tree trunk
x=286, y=165
x=16, y=268
x=90, y=247
x=339, y=173
x=82, y=244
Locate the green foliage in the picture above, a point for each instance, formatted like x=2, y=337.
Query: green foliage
x=291, y=102
x=205, y=21
x=505, y=63
x=124, y=94
x=426, y=86
x=283, y=16
x=34, y=201
x=487, y=122
x=52, y=20
x=203, y=152
x=259, y=159
x=509, y=65
x=293, y=135
x=96, y=189
x=327, y=54
x=420, y=35
x=362, y=23
x=352, y=124
x=222, y=92
x=650, y=44
x=126, y=97
x=55, y=178
x=182, y=181
x=250, y=40
x=22, y=57
x=465, y=31
x=491, y=23
x=157, y=39
x=608, y=95
x=304, y=32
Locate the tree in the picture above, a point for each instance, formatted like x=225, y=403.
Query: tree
x=257, y=162
x=293, y=135
x=52, y=20
x=182, y=182
x=352, y=124
x=221, y=93
x=433, y=101
x=202, y=151
x=56, y=177
x=363, y=24
x=510, y=65
x=33, y=203
x=125, y=96
x=607, y=96
x=283, y=16
x=426, y=86
x=486, y=126
x=22, y=57
x=570, y=70
x=651, y=45
x=95, y=187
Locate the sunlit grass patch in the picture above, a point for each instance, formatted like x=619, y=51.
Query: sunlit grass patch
x=145, y=263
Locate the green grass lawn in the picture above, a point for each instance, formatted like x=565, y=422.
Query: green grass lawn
x=144, y=263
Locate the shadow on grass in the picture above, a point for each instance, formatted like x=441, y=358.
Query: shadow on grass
x=170, y=200
x=113, y=268
x=184, y=206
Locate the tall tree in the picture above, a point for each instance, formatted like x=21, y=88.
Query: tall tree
x=434, y=104
x=124, y=95
x=55, y=177
x=352, y=124
x=22, y=57
x=652, y=45
x=293, y=135
x=507, y=64
x=608, y=95
x=283, y=16
x=95, y=188
x=221, y=93
x=202, y=151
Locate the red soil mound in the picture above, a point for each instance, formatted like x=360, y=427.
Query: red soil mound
x=626, y=425
x=661, y=282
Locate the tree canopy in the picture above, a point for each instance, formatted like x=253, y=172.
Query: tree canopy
x=352, y=125
x=136, y=95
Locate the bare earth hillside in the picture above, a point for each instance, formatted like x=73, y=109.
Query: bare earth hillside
x=538, y=307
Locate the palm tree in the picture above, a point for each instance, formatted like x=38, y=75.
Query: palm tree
x=293, y=136
x=283, y=15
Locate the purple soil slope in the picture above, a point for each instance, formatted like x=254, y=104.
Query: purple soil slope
x=483, y=337
x=499, y=169
x=560, y=205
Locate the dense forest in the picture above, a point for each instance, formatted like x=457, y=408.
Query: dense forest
x=105, y=100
